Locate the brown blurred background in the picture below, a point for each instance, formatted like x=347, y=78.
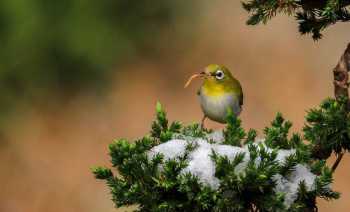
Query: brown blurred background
x=77, y=74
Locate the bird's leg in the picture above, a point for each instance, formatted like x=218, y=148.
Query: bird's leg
x=202, y=123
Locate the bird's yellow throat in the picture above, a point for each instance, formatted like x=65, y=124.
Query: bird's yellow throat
x=212, y=88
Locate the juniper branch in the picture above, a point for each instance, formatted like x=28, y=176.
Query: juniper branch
x=313, y=16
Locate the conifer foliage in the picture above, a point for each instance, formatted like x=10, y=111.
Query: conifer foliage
x=313, y=16
x=160, y=172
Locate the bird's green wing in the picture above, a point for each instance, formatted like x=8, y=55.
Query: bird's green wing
x=240, y=97
x=237, y=89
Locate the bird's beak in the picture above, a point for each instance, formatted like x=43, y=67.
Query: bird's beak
x=202, y=74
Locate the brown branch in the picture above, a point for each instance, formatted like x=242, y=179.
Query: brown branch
x=340, y=73
x=336, y=163
x=341, y=85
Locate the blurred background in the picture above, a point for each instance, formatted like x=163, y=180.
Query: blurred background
x=76, y=74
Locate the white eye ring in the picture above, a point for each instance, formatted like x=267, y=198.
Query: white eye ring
x=219, y=75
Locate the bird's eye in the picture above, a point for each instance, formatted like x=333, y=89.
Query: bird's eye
x=219, y=74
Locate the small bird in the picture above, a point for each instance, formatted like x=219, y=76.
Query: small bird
x=219, y=93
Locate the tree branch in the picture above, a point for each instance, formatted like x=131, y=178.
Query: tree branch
x=336, y=163
x=341, y=85
x=340, y=73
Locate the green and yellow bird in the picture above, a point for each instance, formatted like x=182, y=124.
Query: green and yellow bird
x=219, y=93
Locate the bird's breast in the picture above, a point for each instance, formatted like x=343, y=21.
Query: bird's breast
x=217, y=106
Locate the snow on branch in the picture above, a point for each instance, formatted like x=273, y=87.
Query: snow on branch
x=187, y=168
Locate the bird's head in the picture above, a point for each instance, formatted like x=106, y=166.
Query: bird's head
x=214, y=75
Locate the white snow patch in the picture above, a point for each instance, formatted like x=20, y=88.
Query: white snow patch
x=200, y=163
x=230, y=152
x=302, y=173
x=290, y=186
x=216, y=136
x=282, y=154
x=171, y=149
